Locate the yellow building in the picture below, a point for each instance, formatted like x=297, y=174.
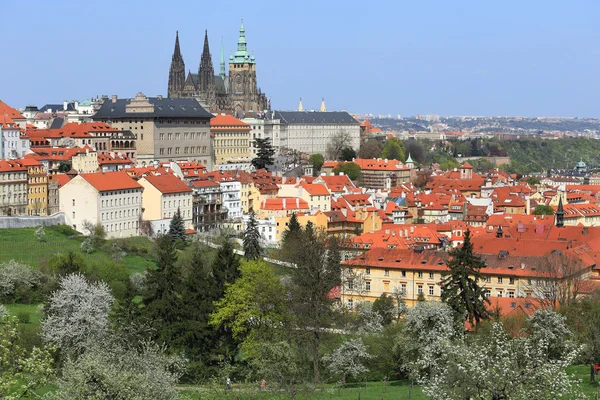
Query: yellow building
x=319, y=221
x=37, y=187
x=163, y=196
x=315, y=194
x=231, y=139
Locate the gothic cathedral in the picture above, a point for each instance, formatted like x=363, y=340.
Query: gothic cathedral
x=237, y=93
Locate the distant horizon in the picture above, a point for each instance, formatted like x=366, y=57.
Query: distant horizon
x=447, y=59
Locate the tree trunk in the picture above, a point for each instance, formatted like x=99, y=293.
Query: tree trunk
x=592, y=373
x=315, y=349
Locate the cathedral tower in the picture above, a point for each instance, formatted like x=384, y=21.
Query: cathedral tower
x=177, y=71
x=206, y=74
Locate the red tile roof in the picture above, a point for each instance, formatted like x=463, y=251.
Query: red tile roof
x=12, y=165
x=5, y=109
x=168, y=184
x=105, y=181
x=284, y=203
x=227, y=122
x=204, y=183
x=315, y=189
x=378, y=164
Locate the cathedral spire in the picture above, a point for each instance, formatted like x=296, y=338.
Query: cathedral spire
x=176, y=71
x=300, y=106
x=242, y=55
x=206, y=72
x=222, y=63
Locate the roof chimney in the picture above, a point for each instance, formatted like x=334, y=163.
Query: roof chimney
x=114, y=98
x=159, y=97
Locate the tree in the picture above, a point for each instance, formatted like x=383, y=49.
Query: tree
x=393, y=149
x=64, y=167
x=39, y=234
x=384, y=306
x=348, y=154
x=252, y=248
x=317, y=162
x=96, y=233
x=317, y=271
x=371, y=148
x=542, y=209
x=278, y=363
x=69, y=263
x=367, y=321
x=583, y=318
x=532, y=181
x=337, y=143
x=460, y=287
x=348, y=168
x=254, y=306
x=177, y=227
x=293, y=227
x=495, y=366
x=226, y=267
x=77, y=313
x=162, y=300
x=416, y=150
x=22, y=371
x=399, y=296
x=560, y=279
x=264, y=154
x=114, y=370
x=17, y=279
x=347, y=360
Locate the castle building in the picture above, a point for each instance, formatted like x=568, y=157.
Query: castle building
x=237, y=92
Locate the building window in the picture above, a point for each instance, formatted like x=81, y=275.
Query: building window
x=487, y=279
x=431, y=275
x=420, y=274
x=487, y=293
x=511, y=294
x=499, y=279
x=404, y=274
x=511, y=281
x=420, y=289
x=350, y=285
x=73, y=214
x=350, y=304
x=368, y=271
x=368, y=286
x=431, y=290
x=499, y=293
x=403, y=288
x=386, y=272
x=73, y=201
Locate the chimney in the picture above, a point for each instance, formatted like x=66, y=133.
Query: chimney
x=585, y=231
x=114, y=98
x=412, y=229
x=522, y=266
x=297, y=202
x=65, y=105
x=159, y=97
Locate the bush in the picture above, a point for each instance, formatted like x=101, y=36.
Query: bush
x=24, y=317
x=17, y=279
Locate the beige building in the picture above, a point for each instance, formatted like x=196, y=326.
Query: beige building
x=166, y=129
x=262, y=128
x=85, y=163
x=13, y=188
x=231, y=139
x=311, y=131
x=111, y=199
x=315, y=194
x=163, y=196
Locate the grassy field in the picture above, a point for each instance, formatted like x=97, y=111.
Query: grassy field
x=31, y=309
x=21, y=245
x=369, y=391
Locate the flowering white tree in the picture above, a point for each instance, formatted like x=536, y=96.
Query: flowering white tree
x=496, y=366
x=113, y=370
x=77, y=313
x=39, y=234
x=367, y=321
x=347, y=360
x=14, y=274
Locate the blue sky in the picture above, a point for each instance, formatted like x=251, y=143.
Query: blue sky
x=400, y=57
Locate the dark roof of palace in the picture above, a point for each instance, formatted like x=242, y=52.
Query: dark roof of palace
x=163, y=108
x=315, y=117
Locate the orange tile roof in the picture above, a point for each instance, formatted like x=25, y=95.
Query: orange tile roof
x=204, y=183
x=105, y=181
x=7, y=122
x=378, y=164
x=5, y=109
x=168, y=184
x=12, y=165
x=227, y=122
x=284, y=203
x=62, y=179
x=106, y=159
x=315, y=189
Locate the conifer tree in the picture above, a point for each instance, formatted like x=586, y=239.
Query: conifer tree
x=177, y=228
x=292, y=229
x=460, y=287
x=252, y=247
x=225, y=267
x=265, y=153
x=162, y=300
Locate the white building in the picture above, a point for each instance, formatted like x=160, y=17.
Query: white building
x=267, y=228
x=163, y=196
x=230, y=190
x=111, y=199
x=261, y=128
x=12, y=142
x=311, y=132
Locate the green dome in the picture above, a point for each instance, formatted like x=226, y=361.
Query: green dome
x=581, y=164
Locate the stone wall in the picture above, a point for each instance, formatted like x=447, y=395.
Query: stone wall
x=497, y=161
x=32, y=222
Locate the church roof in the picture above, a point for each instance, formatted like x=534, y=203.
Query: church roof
x=310, y=117
x=164, y=107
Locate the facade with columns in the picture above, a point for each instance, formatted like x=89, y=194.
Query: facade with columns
x=237, y=92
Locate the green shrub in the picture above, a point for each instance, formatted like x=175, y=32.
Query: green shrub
x=24, y=317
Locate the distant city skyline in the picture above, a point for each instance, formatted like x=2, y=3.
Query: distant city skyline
x=462, y=59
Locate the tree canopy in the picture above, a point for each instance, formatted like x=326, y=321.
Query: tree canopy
x=265, y=153
x=393, y=149
x=252, y=247
x=348, y=168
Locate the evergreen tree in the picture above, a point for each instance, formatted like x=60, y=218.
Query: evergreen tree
x=225, y=267
x=177, y=228
x=460, y=287
x=162, y=300
x=252, y=247
x=265, y=153
x=293, y=228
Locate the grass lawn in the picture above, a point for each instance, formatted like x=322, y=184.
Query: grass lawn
x=32, y=309
x=370, y=391
x=21, y=245
x=582, y=372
